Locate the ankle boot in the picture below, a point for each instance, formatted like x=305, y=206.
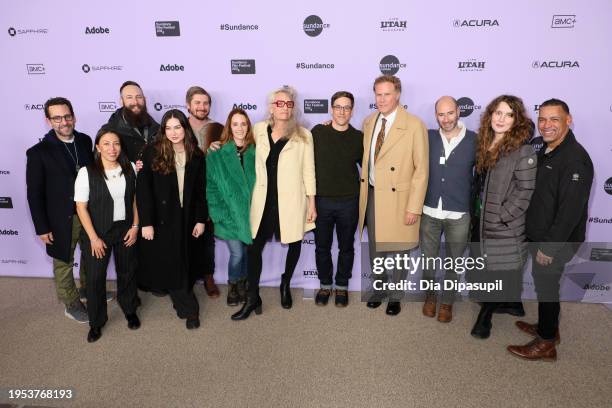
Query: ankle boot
x=252, y=304
x=285, y=291
x=482, y=327
x=233, y=298
x=242, y=290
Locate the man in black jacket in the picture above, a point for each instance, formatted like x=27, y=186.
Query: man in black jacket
x=556, y=222
x=52, y=166
x=132, y=121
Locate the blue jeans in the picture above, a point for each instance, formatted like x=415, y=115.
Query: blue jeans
x=237, y=267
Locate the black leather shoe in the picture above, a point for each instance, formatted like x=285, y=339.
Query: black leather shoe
x=285, y=290
x=192, y=323
x=94, y=334
x=393, y=308
x=341, y=298
x=322, y=297
x=373, y=305
x=252, y=304
x=511, y=308
x=133, y=321
x=482, y=327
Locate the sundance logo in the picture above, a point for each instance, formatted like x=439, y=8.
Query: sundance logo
x=167, y=29
x=597, y=220
x=6, y=202
x=34, y=106
x=467, y=106
x=315, y=106
x=239, y=27
x=316, y=65
x=390, y=65
x=242, y=66
x=9, y=232
x=35, y=69
x=159, y=106
x=608, y=186
x=313, y=26
x=24, y=31
x=86, y=68
x=475, y=23
x=97, y=30
x=563, y=21
x=171, y=67
x=471, y=65
x=393, y=24
x=107, y=106
x=245, y=106
x=555, y=64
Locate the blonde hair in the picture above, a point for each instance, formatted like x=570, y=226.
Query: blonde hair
x=293, y=125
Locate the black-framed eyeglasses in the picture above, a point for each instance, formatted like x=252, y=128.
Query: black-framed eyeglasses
x=280, y=104
x=339, y=108
x=58, y=119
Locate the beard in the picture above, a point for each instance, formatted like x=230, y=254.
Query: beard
x=139, y=120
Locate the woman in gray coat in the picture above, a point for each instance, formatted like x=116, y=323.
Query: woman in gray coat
x=506, y=170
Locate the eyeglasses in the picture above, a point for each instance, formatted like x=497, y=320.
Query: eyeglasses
x=339, y=108
x=280, y=104
x=58, y=119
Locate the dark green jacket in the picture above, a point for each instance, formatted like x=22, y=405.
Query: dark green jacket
x=228, y=191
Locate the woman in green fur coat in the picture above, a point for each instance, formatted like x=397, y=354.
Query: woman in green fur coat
x=230, y=177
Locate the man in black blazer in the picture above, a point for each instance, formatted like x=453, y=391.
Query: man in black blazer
x=52, y=166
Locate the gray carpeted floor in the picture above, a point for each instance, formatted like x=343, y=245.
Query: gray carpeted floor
x=305, y=357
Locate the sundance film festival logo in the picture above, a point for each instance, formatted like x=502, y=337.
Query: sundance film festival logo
x=34, y=106
x=25, y=31
x=608, y=186
x=86, y=68
x=163, y=106
x=239, y=27
x=471, y=65
x=393, y=24
x=390, y=65
x=6, y=202
x=467, y=106
x=555, y=64
x=243, y=66
x=313, y=26
x=97, y=30
x=171, y=67
x=474, y=23
x=107, y=106
x=167, y=29
x=316, y=106
x=35, y=69
x=563, y=21
x=245, y=106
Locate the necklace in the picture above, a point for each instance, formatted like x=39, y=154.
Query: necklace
x=76, y=153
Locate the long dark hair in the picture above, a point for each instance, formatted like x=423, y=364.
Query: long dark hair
x=227, y=134
x=163, y=158
x=124, y=162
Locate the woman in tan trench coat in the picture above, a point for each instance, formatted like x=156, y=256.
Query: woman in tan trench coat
x=282, y=204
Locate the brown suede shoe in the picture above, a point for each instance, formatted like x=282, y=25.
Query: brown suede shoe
x=211, y=287
x=536, y=349
x=532, y=330
x=445, y=314
x=429, y=307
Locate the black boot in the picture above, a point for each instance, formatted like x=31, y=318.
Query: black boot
x=242, y=290
x=252, y=303
x=285, y=291
x=511, y=308
x=233, y=297
x=482, y=327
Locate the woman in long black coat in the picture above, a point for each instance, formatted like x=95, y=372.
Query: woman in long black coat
x=170, y=194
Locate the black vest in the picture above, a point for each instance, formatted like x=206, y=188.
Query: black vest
x=100, y=205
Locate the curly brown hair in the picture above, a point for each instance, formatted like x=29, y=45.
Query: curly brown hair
x=163, y=160
x=518, y=134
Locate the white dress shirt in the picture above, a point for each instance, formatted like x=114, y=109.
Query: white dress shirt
x=390, y=119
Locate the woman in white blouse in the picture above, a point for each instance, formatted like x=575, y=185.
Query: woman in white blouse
x=104, y=193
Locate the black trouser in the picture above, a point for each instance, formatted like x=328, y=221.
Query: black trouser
x=255, y=251
x=342, y=214
x=185, y=302
x=125, y=267
x=209, y=249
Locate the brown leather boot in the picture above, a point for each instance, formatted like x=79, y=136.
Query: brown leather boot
x=532, y=329
x=211, y=287
x=445, y=314
x=536, y=349
x=429, y=307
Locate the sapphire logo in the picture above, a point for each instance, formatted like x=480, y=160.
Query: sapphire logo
x=97, y=30
x=466, y=106
x=171, y=67
x=242, y=66
x=245, y=106
x=471, y=65
x=313, y=26
x=34, y=106
x=89, y=68
x=563, y=21
x=107, y=106
x=85, y=68
x=390, y=65
x=35, y=69
x=608, y=186
x=12, y=32
x=471, y=23
x=163, y=106
x=316, y=106
x=157, y=106
x=167, y=29
x=555, y=64
x=393, y=24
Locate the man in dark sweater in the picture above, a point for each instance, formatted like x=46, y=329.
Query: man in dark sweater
x=452, y=155
x=338, y=148
x=51, y=169
x=132, y=121
x=556, y=222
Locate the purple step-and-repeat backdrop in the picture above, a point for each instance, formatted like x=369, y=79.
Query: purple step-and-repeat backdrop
x=240, y=50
